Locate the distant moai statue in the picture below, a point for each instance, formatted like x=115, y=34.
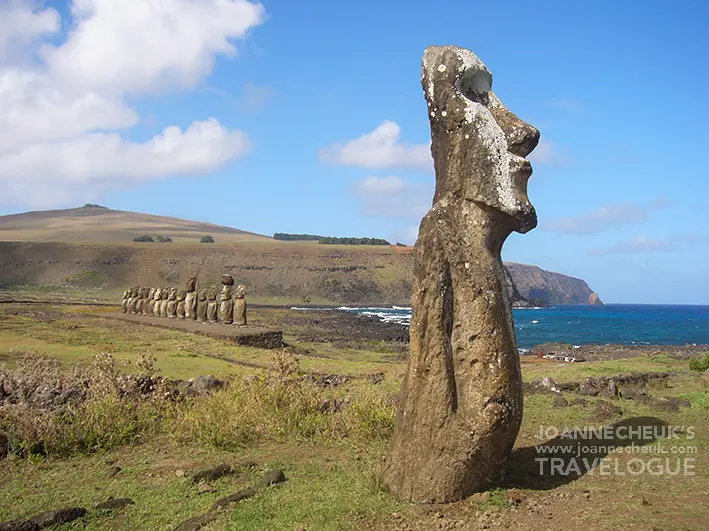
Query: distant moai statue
x=164, y=301
x=226, y=305
x=124, y=301
x=172, y=303
x=460, y=404
x=240, y=305
x=157, y=301
x=181, y=304
x=148, y=303
x=212, y=307
x=191, y=298
x=133, y=299
x=202, y=306
x=139, y=302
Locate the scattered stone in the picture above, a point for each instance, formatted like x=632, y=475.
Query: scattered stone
x=605, y=411
x=589, y=387
x=113, y=504
x=211, y=474
x=579, y=402
x=559, y=401
x=204, y=488
x=206, y=384
x=58, y=517
x=180, y=473
x=271, y=478
x=480, y=497
x=461, y=309
x=19, y=525
x=114, y=470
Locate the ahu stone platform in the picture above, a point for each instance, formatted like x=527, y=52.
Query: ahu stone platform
x=247, y=335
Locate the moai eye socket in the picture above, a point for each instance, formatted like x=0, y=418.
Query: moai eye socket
x=475, y=83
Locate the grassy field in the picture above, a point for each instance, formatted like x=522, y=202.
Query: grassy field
x=332, y=459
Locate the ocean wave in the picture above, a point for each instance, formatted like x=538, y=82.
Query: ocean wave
x=311, y=309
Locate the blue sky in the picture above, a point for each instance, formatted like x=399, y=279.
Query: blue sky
x=268, y=107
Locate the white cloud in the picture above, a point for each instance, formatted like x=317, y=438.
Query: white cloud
x=639, y=245
x=392, y=197
x=380, y=149
x=606, y=217
x=59, y=114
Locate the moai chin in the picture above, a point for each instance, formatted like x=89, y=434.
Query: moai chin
x=240, y=306
x=181, y=304
x=461, y=400
x=191, y=299
x=212, y=307
x=202, y=306
x=172, y=304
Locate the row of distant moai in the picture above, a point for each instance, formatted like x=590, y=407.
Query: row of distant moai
x=207, y=305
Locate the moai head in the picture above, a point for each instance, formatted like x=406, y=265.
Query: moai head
x=151, y=293
x=182, y=295
x=165, y=294
x=126, y=294
x=212, y=294
x=240, y=291
x=227, y=280
x=202, y=295
x=173, y=294
x=478, y=144
x=191, y=284
x=157, y=295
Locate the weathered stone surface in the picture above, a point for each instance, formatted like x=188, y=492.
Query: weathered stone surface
x=164, y=302
x=191, y=285
x=212, y=306
x=202, y=306
x=58, y=517
x=124, y=302
x=226, y=305
x=150, y=300
x=461, y=400
x=227, y=280
x=594, y=299
x=113, y=504
x=240, y=306
x=172, y=304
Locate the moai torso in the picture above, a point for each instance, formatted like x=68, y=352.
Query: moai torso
x=212, y=307
x=461, y=400
x=172, y=304
x=124, y=302
x=191, y=299
x=240, y=306
x=164, y=302
x=134, y=299
x=181, y=305
x=157, y=300
x=148, y=304
x=202, y=306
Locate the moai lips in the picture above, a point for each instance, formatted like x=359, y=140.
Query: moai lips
x=461, y=400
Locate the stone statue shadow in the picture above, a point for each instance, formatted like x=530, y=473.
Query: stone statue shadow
x=530, y=467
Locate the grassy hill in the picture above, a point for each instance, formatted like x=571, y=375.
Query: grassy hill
x=98, y=225
x=88, y=253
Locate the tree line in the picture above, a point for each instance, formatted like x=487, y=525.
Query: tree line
x=329, y=240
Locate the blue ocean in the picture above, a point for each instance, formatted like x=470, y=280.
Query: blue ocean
x=627, y=324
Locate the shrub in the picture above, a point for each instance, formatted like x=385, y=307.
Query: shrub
x=164, y=239
x=699, y=364
x=144, y=239
x=206, y=239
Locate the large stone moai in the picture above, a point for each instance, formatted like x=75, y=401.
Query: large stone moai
x=133, y=301
x=240, y=305
x=148, y=304
x=226, y=305
x=157, y=300
x=191, y=298
x=181, y=304
x=202, y=306
x=212, y=306
x=124, y=301
x=461, y=400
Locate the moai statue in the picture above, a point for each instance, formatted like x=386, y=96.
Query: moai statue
x=226, y=305
x=148, y=304
x=191, y=299
x=181, y=304
x=202, y=306
x=461, y=399
x=139, y=301
x=157, y=300
x=164, y=302
x=240, y=305
x=172, y=304
x=124, y=301
x=212, y=308
x=133, y=301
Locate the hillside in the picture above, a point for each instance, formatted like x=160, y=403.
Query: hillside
x=95, y=224
x=92, y=248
